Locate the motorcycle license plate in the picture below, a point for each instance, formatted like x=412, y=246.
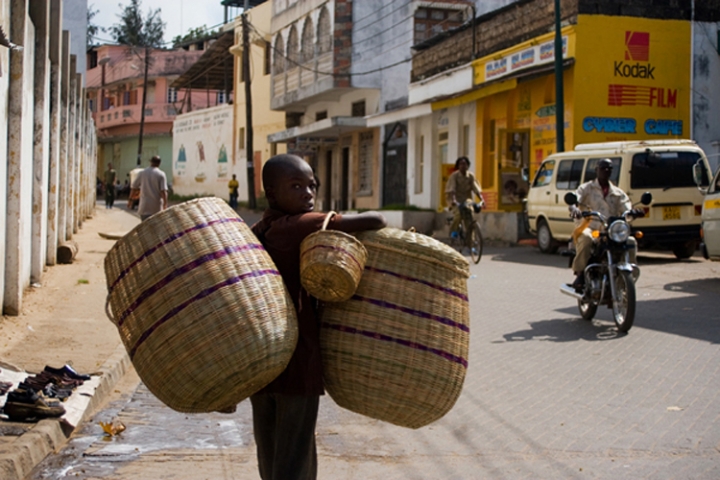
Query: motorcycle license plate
x=671, y=213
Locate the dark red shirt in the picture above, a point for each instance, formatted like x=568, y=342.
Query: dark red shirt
x=281, y=235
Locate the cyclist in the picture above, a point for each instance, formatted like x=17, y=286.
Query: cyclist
x=459, y=190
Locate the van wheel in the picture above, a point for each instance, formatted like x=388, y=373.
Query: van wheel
x=684, y=250
x=546, y=242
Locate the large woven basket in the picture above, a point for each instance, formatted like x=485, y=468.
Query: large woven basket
x=398, y=349
x=200, y=307
x=331, y=263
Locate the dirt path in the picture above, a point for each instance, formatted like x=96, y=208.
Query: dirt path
x=63, y=319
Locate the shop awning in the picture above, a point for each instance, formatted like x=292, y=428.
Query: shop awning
x=413, y=111
x=327, y=128
x=214, y=70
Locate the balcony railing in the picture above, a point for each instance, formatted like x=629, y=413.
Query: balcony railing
x=130, y=114
x=308, y=79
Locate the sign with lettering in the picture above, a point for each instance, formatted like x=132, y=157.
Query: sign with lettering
x=637, y=86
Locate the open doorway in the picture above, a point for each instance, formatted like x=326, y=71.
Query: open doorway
x=515, y=157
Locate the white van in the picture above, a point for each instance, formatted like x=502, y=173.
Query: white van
x=661, y=167
x=710, y=230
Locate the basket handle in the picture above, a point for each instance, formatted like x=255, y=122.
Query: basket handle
x=108, y=312
x=327, y=219
x=411, y=230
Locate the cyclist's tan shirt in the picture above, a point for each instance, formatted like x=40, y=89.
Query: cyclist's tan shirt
x=462, y=186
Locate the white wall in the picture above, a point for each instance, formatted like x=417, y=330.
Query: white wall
x=202, y=135
x=452, y=120
x=706, y=90
x=4, y=85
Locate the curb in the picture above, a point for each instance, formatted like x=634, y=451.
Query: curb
x=17, y=459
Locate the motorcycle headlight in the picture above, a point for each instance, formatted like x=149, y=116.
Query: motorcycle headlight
x=619, y=231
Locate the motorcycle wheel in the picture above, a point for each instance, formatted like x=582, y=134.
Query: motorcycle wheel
x=624, y=309
x=587, y=310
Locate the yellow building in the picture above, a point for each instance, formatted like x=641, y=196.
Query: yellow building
x=625, y=78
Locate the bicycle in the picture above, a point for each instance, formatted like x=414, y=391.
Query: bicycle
x=459, y=239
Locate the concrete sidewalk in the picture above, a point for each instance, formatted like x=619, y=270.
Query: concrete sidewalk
x=64, y=322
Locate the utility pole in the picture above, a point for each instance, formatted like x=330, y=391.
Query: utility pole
x=249, y=151
x=559, y=100
x=142, y=109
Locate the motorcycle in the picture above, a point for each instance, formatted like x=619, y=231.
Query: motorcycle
x=609, y=276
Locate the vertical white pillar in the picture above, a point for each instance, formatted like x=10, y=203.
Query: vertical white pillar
x=39, y=14
x=64, y=137
x=55, y=54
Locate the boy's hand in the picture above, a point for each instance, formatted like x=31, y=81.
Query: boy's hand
x=350, y=223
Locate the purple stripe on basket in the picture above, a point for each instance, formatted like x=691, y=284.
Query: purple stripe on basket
x=418, y=313
x=199, y=296
x=449, y=291
x=339, y=249
x=168, y=240
x=405, y=343
x=181, y=271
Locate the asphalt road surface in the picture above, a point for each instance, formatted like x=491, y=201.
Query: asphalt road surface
x=547, y=395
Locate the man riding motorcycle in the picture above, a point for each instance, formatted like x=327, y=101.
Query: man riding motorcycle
x=602, y=196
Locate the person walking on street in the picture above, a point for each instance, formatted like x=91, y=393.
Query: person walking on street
x=151, y=184
x=110, y=176
x=233, y=187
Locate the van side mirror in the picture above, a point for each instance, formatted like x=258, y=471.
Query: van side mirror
x=570, y=198
x=525, y=174
x=646, y=198
x=698, y=170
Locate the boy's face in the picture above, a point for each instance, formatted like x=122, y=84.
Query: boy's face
x=294, y=190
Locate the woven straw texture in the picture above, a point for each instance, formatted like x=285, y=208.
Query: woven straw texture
x=200, y=307
x=398, y=349
x=331, y=264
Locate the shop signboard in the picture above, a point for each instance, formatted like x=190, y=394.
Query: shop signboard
x=638, y=85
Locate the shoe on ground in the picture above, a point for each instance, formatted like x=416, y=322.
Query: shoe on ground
x=24, y=405
x=68, y=371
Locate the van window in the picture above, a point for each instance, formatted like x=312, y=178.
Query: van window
x=590, y=172
x=664, y=170
x=544, y=175
x=569, y=174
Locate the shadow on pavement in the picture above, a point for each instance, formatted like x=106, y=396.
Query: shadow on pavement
x=564, y=330
x=695, y=315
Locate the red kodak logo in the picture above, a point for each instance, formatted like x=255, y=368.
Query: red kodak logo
x=637, y=46
x=629, y=95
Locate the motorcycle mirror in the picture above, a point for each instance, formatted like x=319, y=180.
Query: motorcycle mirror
x=570, y=198
x=646, y=198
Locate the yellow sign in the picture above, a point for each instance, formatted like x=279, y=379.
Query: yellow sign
x=713, y=203
x=524, y=56
x=637, y=86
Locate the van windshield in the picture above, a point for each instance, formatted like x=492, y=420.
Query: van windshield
x=664, y=170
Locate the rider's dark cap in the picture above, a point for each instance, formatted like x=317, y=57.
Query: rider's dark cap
x=605, y=163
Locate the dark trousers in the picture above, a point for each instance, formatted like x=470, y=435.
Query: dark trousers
x=109, y=195
x=284, y=429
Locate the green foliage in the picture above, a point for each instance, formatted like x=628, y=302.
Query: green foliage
x=194, y=34
x=138, y=31
x=92, y=29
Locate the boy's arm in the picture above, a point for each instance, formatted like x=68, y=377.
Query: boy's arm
x=358, y=222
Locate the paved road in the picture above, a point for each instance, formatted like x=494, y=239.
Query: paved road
x=547, y=396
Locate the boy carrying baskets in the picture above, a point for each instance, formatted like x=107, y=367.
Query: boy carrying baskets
x=285, y=411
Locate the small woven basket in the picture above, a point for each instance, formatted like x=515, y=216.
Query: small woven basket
x=200, y=307
x=331, y=264
x=397, y=350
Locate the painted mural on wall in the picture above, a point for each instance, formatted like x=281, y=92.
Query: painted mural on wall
x=201, y=165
